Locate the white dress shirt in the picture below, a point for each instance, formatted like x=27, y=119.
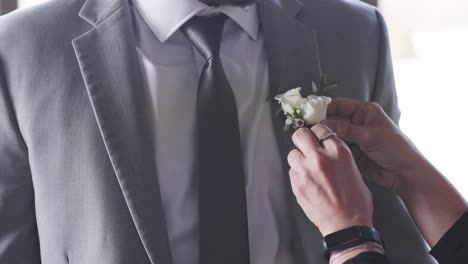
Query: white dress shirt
x=171, y=68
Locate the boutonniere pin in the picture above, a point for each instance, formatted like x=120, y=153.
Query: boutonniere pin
x=306, y=111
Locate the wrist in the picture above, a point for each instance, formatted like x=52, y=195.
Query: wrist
x=350, y=239
x=410, y=178
x=340, y=257
x=347, y=223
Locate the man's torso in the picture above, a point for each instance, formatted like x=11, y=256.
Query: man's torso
x=90, y=148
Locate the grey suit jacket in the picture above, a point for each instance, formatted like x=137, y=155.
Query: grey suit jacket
x=78, y=181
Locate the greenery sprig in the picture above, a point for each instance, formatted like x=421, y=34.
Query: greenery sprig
x=325, y=87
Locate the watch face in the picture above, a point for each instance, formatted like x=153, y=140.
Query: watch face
x=350, y=237
x=343, y=236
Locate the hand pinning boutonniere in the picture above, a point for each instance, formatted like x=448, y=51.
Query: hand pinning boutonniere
x=308, y=111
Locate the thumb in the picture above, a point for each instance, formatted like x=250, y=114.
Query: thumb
x=349, y=132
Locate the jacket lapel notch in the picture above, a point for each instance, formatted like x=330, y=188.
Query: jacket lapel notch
x=95, y=11
x=291, y=46
x=108, y=60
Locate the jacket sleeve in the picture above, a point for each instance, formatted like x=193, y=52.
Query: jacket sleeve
x=453, y=246
x=19, y=241
x=384, y=91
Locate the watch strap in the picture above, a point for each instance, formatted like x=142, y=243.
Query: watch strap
x=350, y=237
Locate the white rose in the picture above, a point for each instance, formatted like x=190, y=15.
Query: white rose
x=315, y=109
x=291, y=100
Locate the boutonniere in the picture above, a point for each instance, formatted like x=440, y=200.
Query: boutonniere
x=306, y=111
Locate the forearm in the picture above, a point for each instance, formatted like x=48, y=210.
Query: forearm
x=434, y=204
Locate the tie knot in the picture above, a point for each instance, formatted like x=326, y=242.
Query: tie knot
x=205, y=34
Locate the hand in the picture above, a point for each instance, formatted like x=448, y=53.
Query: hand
x=391, y=160
x=389, y=154
x=326, y=182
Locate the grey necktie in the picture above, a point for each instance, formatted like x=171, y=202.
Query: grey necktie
x=222, y=198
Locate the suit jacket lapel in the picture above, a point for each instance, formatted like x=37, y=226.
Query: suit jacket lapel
x=108, y=60
x=291, y=47
x=293, y=61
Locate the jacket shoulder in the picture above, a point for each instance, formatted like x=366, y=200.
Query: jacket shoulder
x=49, y=20
x=352, y=6
x=343, y=13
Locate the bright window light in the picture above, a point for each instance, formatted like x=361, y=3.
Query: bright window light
x=429, y=40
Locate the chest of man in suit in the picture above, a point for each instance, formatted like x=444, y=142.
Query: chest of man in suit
x=79, y=131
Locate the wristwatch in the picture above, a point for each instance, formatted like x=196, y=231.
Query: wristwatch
x=350, y=237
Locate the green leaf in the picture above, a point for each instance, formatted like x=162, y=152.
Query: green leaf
x=314, y=88
x=323, y=81
x=329, y=89
x=326, y=88
x=326, y=93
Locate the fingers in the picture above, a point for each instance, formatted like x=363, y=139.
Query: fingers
x=295, y=157
x=355, y=110
x=321, y=131
x=306, y=141
x=297, y=176
x=301, y=185
x=349, y=132
x=343, y=107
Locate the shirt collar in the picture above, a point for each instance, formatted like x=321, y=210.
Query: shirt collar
x=165, y=17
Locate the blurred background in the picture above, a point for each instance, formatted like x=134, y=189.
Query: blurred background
x=429, y=40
